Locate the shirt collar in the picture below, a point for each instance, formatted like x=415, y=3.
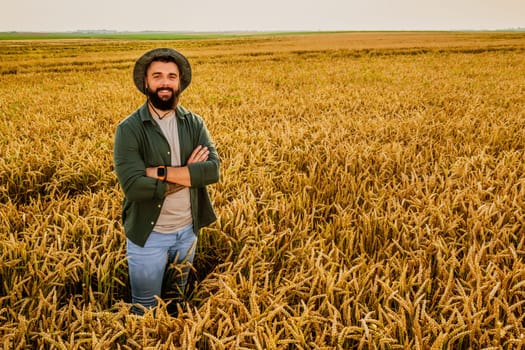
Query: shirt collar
x=144, y=113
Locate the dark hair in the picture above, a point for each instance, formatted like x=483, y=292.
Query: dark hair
x=164, y=59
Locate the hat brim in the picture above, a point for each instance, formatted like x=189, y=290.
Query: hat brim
x=139, y=71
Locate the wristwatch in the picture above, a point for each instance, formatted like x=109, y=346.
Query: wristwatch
x=162, y=172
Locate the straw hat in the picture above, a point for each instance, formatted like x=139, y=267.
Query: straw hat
x=139, y=72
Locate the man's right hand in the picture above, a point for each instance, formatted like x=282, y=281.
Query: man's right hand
x=199, y=154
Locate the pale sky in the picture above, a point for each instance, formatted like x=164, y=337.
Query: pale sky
x=259, y=15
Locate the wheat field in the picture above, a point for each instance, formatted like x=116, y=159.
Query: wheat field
x=372, y=194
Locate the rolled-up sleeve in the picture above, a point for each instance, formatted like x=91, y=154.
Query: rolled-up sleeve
x=207, y=172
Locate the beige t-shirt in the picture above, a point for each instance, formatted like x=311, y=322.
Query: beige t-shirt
x=176, y=210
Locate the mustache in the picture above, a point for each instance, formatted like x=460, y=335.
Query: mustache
x=164, y=89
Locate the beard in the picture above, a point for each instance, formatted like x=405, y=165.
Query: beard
x=163, y=104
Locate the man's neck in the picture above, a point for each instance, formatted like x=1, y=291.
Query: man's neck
x=160, y=113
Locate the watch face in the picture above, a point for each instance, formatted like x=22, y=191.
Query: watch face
x=161, y=172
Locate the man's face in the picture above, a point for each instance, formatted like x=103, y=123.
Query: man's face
x=163, y=84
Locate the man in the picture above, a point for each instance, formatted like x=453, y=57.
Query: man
x=164, y=158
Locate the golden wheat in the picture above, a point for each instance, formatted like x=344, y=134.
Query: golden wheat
x=372, y=194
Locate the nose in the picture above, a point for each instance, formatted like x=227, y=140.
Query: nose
x=164, y=82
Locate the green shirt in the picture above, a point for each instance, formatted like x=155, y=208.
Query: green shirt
x=139, y=144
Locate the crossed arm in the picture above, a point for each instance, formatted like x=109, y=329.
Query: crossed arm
x=179, y=177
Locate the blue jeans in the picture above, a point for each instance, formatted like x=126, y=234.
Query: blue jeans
x=147, y=266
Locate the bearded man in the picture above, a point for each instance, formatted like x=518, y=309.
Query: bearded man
x=164, y=158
